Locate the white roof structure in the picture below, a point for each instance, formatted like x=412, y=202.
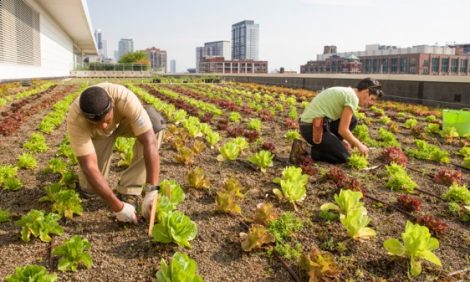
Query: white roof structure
x=73, y=17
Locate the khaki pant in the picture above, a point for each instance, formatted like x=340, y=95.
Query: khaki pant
x=134, y=177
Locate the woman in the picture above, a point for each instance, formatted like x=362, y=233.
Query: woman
x=328, y=120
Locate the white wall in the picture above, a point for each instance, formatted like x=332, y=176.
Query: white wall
x=56, y=53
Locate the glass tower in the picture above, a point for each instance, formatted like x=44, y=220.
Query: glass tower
x=245, y=40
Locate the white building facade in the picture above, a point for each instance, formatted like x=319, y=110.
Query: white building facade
x=43, y=38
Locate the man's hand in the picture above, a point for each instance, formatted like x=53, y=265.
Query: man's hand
x=147, y=203
x=127, y=214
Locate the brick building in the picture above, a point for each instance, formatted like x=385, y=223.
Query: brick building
x=158, y=59
x=420, y=60
x=220, y=65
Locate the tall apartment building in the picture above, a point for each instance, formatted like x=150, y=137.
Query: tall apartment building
x=199, y=56
x=126, y=45
x=213, y=49
x=420, y=60
x=172, y=66
x=158, y=60
x=245, y=40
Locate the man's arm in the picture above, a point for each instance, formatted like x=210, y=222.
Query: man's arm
x=151, y=156
x=344, y=131
x=89, y=166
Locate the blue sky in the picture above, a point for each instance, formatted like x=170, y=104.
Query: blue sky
x=291, y=31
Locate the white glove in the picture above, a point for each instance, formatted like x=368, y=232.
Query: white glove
x=127, y=214
x=147, y=203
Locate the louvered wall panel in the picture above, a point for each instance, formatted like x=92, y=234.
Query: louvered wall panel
x=19, y=33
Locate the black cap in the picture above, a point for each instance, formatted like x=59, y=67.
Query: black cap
x=95, y=103
x=374, y=86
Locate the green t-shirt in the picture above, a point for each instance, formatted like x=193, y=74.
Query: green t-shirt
x=330, y=103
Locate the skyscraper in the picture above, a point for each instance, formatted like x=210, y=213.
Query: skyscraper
x=99, y=44
x=126, y=45
x=245, y=40
x=199, y=56
x=99, y=39
x=172, y=66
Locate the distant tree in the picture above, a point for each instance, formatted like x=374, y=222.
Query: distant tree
x=137, y=57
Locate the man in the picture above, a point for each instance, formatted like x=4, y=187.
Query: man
x=328, y=120
x=96, y=118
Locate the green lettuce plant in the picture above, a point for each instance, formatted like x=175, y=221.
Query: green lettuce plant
x=254, y=124
x=347, y=201
x=5, y=215
x=357, y=160
x=170, y=196
x=31, y=273
x=388, y=139
x=457, y=193
x=67, y=203
x=73, y=253
x=241, y=142
x=356, y=223
x=27, y=161
x=56, y=165
x=293, y=185
x=175, y=227
x=426, y=151
x=38, y=224
x=234, y=117
x=399, y=180
x=410, y=123
x=213, y=138
x=181, y=268
x=36, y=143
x=417, y=245
x=262, y=159
x=292, y=135
x=8, y=178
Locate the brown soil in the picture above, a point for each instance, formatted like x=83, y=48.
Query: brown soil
x=124, y=252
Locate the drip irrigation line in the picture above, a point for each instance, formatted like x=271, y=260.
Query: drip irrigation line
x=392, y=206
x=287, y=267
x=429, y=194
x=276, y=254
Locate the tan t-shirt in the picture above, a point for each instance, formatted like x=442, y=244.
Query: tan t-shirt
x=126, y=109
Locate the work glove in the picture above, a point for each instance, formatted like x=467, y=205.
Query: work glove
x=127, y=214
x=151, y=191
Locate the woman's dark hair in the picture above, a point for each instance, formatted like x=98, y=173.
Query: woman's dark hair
x=373, y=85
x=95, y=103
